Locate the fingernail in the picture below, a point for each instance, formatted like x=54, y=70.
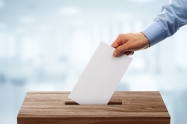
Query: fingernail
x=115, y=54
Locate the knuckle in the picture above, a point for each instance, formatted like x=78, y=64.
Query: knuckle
x=121, y=35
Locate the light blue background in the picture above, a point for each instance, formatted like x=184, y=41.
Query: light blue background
x=46, y=44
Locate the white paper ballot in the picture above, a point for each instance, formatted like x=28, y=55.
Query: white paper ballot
x=101, y=76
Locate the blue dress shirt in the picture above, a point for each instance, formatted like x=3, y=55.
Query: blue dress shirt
x=173, y=15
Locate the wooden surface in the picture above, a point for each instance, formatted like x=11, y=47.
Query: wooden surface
x=136, y=108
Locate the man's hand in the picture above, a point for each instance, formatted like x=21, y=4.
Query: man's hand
x=128, y=43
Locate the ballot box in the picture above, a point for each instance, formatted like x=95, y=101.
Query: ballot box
x=123, y=108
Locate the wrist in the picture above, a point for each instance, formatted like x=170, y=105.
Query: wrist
x=143, y=39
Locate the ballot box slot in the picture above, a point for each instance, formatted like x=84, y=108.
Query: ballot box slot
x=109, y=103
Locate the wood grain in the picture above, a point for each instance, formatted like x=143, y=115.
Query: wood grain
x=136, y=108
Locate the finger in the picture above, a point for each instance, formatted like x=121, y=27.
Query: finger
x=121, y=39
x=116, y=43
x=129, y=53
x=120, y=50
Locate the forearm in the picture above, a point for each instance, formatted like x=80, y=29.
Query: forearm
x=154, y=33
x=165, y=24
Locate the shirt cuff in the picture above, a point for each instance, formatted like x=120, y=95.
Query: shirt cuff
x=154, y=32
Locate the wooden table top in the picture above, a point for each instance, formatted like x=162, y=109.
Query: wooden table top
x=136, y=108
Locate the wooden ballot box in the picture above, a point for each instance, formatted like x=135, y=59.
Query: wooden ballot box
x=123, y=108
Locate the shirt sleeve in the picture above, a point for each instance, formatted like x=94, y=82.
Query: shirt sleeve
x=173, y=16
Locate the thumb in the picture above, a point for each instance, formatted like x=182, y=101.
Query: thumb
x=120, y=50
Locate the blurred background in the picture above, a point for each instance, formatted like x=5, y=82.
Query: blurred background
x=46, y=44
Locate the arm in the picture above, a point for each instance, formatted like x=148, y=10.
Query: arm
x=165, y=24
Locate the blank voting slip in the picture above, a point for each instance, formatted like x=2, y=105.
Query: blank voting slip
x=101, y=76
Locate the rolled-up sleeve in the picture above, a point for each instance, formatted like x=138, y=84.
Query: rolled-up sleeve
x=173, y=15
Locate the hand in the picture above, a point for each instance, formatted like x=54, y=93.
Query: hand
x=128, y=43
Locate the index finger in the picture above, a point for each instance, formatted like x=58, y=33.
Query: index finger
x=116, y=44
